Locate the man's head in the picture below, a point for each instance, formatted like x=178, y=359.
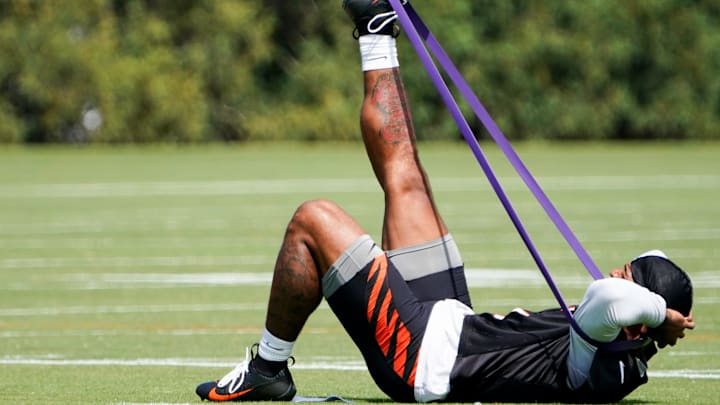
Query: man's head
x=654, y=271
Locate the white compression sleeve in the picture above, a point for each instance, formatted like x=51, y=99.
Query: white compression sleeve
x=609, y=305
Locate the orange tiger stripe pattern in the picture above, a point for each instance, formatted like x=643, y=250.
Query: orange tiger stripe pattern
x=389, y=331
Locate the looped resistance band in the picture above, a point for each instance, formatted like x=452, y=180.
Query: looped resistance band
x=420, y=36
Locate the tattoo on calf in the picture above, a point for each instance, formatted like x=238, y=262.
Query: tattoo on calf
x=389, y=96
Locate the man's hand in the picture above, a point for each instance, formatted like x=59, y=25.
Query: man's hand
x=672, y=329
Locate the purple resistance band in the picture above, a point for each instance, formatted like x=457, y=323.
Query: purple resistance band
x=416, y=32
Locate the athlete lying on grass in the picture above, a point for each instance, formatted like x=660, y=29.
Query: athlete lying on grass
x=406, y=303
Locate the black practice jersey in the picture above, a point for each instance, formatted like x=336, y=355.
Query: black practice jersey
x=523, y=358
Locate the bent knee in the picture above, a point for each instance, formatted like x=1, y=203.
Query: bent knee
x=318, y=206
x=317, y=210
x=324, y=224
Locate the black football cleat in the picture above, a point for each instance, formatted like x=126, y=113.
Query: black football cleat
x=372, y=17
x=245, y=383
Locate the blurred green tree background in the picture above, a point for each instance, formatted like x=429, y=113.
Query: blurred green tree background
x=187, y=71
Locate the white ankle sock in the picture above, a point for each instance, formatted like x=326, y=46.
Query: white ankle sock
x=378, y=52
x=273, y=348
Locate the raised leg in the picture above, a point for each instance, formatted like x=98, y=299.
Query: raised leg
x=411, y=216
x=320, y=231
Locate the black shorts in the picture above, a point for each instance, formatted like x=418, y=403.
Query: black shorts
x=385, y=308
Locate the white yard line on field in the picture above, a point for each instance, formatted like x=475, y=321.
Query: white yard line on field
x=23, y=334
x=133, y=261
x=338, y=365
x=476, y=277
x=151, y=403
x=685, y=373
x=127, y=309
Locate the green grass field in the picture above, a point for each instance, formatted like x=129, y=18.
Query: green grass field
x=130, y=275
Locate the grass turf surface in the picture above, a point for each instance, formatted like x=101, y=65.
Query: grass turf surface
x=130, y=275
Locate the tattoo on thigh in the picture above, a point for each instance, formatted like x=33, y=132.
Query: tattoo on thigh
x=388, y=95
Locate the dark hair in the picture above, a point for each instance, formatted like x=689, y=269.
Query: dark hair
x=666, y=279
